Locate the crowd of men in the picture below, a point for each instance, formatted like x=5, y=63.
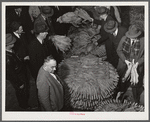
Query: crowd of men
x=30, y=51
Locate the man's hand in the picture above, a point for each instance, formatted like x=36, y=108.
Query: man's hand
x=128, y=62
x=26, y=58
x=22, y=86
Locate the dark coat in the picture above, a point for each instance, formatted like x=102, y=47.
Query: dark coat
x=11, y=16
x=15, y=70
x=21, y=46
x=50, y=91
x=112, y=44
x=60, y=28
x=16, y=73
x=103, y=33
x=37, y=53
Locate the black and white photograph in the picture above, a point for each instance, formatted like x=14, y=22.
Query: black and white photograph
x=75, y=60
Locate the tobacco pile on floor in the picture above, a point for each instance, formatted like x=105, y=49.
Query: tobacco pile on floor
x=118, y=106
x=88, y=81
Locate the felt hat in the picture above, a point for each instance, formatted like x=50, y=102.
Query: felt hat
x=133, y=32
x=40, y=27
x=47, y=11
x=110, y=26
x=10, y=39
x=15, y=25
x=101, y=10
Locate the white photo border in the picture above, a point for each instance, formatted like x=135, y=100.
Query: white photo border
x=60, y=116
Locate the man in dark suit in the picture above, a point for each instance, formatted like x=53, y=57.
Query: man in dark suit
x=115, y=33
x=37, y=49
x=104, y=16
x=16, y=73
x=21, y=44
x=16, y=13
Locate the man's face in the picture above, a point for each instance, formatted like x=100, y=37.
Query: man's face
x=18, y=10
x=20, y=30
x=44, y=34
x=51, y=66
x=103, y=16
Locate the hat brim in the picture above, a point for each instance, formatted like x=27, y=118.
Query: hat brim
x=46, y=30
x=111, y=30
x=12, y=42
x=133, y=36
x=49, y=15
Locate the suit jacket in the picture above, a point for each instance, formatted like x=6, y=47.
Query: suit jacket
x=37, y=53
x=21, y=46
x=60, y=28
x=40, y=19
x=112, y=44
x=15, y=70
x=12, y=16
x=50, y=91
x=103, y=33
x=116, y=39
x=122, y=67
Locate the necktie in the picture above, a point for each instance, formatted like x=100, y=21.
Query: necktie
x=133, y=41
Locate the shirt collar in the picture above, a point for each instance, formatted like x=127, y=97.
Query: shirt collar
x=105, y=17
x=40, y=40
x=43, y=16
x=55, y=77
x=116, y=32
x=16, y=34
x=9, y=51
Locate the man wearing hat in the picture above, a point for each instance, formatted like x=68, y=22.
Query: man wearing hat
x=131, y=53
x=21, y=44
x=16, y=72
x=115, y=33
x=38, y=50
x=45, y=17
x=104, y=16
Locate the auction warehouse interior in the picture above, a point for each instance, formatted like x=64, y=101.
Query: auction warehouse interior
x=74, y=58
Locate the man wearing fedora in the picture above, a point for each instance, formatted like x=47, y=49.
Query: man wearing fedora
x=104, y=16
x=16, y=73
x=131, y=52
x=38, y=50
x=21, y=44
x=115, y=33
x=45, y=17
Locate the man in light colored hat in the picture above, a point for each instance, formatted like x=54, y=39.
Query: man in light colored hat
x=45, y=17
x=131, y=54
x=16, y=73
x=115, y=33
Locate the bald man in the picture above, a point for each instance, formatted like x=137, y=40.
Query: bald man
x=50, y=89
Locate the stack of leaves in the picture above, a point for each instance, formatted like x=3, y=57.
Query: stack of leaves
x=84, y=37
x=76, y=18
x=88, y=80
x=118, y=106
x=62, y=43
